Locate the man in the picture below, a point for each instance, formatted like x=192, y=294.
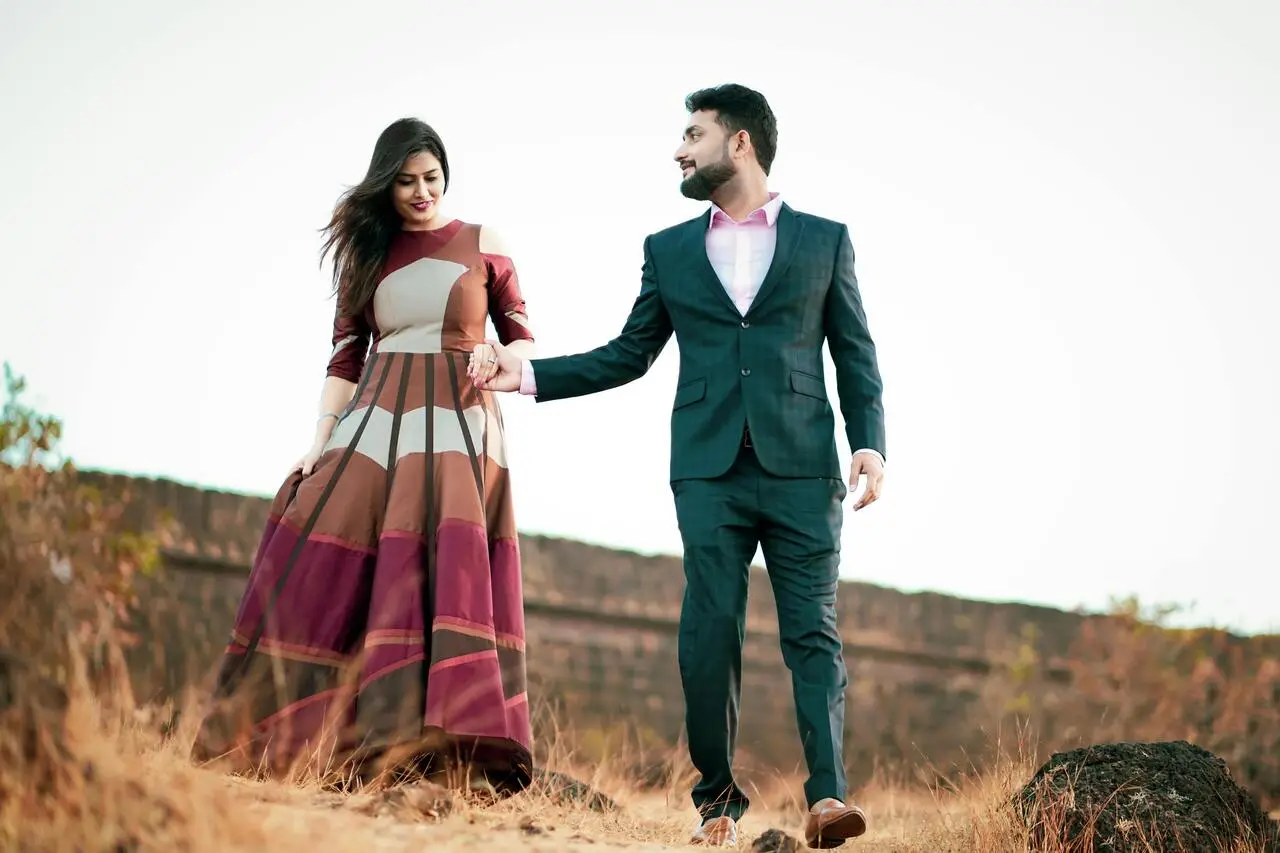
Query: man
x=750, y=289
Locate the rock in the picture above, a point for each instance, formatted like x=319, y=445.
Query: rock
x=529, y=826
x=410, y=801
x=1122, y=797
x=775, y=841
x=563, y=789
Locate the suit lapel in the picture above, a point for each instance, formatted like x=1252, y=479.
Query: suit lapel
x=789, y=229
x=695, y=250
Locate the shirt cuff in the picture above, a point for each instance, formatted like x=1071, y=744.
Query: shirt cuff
x=877, y=454
x=528, y=385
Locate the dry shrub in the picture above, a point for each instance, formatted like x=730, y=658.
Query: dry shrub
x=1134, y=678
x=67, y=559
x=66, y=565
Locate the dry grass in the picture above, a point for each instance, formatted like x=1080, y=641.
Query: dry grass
x=118, y=785
x=124, y=787
x=83, y=769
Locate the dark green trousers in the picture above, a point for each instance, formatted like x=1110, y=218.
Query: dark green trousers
x=796, y=522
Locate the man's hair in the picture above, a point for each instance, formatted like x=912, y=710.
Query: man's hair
x=739, y=108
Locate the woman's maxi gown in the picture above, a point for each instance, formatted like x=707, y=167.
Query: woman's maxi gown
x=383, y=617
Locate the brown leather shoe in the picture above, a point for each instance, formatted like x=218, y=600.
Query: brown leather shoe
x=716, y=832
x=832, y=823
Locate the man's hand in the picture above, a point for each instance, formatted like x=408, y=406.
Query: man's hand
x=495, y=368
x=870, y=465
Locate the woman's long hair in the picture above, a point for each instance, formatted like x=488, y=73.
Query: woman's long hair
x=365, y=219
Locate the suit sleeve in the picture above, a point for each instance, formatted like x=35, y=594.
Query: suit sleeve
x=624, y=359
x=854, y=354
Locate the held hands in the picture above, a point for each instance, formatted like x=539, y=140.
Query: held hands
x=870, y=465
x=494, y=368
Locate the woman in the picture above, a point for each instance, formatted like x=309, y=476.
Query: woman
x=382, y=628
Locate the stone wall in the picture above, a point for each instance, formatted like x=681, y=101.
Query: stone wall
x=931, y=676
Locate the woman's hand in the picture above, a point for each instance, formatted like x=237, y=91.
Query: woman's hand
x=483, y=365
x=307, y=463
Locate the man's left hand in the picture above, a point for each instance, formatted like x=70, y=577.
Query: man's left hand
x=870, y=465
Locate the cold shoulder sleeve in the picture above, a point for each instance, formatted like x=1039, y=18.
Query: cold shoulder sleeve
x=506, y=303
x=351, y=336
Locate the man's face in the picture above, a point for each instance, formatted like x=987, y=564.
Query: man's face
x=703, y=156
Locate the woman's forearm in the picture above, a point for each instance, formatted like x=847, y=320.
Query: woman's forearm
x=335, y=396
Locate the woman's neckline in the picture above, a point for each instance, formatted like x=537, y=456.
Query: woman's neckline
x=449, y=228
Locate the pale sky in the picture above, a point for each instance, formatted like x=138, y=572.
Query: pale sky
x=1061, y=214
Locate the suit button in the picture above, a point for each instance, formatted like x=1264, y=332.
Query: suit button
x=745, y=324
x=746, y=371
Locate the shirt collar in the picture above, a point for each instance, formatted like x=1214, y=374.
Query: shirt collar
x=767, y=211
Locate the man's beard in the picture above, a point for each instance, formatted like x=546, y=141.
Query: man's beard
x=707, y=179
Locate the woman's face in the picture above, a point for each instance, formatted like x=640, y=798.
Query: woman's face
x=417, y=190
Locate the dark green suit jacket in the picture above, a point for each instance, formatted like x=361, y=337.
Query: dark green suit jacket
x=763, y=370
